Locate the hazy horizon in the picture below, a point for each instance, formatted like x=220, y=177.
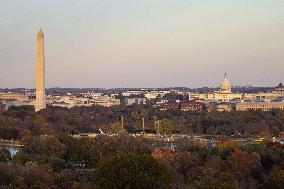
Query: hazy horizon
x=143, y=43
x=104, y=88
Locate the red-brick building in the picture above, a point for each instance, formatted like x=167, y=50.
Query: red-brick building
x=184, y=106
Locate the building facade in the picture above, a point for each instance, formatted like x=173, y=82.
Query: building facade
x=134, y=100
x=223, y=95
x=264, y=106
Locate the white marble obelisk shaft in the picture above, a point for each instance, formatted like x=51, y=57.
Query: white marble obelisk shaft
x=40, y=73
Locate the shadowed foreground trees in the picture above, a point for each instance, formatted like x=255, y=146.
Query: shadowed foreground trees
x=62, y=161
x=275, y=182
x=5, y=155
x=133, y=171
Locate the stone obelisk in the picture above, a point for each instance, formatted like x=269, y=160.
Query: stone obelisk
x=40, y=73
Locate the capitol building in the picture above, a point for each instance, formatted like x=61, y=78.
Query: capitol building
x=223, y=95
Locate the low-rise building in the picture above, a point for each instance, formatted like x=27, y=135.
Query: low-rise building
x=184, y=106
x=224, y=107
x=69, y=101
x=105, y=102
x=152, y=95
x=264, y=106
x=134, y=100
x=15, y=99
x=260, y=97
x=187, y=106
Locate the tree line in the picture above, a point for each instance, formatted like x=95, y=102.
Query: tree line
x=22, y=121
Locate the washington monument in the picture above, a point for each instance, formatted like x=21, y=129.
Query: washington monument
x=40, y=73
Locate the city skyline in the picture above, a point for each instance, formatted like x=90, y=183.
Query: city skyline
x=143, y=44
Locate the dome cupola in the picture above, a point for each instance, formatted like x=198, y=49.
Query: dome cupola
x=225, y=86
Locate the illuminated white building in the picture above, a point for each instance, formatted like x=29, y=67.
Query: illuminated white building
x=223, y=95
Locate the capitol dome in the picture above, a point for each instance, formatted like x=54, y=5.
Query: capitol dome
x=225, y=86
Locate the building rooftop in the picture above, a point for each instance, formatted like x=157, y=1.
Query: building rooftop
x=262, y=103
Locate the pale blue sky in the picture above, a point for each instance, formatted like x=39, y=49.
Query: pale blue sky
x=143, y=43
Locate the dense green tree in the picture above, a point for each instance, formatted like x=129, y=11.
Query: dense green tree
x=133, y=171
x=5, y=155
x=164, y=127
x=275, y=182
x=44, y=145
